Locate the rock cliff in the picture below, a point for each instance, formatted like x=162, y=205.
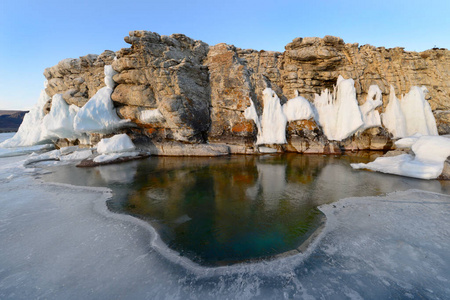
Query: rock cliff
x=176, y=89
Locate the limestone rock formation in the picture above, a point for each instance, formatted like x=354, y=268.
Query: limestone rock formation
x=176, y=89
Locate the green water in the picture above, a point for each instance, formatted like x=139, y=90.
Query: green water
x=229, y=209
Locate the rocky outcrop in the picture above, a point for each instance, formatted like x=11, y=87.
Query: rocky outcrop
x=176, y=89
x=78, y=79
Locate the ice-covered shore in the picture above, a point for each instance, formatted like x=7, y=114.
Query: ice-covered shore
x=60, y=241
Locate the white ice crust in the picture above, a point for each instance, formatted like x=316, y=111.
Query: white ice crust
x=116, y=144
x=430, y=153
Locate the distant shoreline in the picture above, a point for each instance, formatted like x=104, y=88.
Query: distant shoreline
x=7, y=130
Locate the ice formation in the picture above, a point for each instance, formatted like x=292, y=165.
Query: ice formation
x=30, y=131
x=115, y=144
x=251, y=114
x=272, y=124
x=298, y=108
x=109, y=73
x=418, y=114
x=427, y=163
x=393, y=118
x=98, y=115
x=338, y=113
x=409, y=116
x=370, y=116
x=58, y=123
x=273, y=120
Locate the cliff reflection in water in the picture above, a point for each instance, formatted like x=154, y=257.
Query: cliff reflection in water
x=227, y=209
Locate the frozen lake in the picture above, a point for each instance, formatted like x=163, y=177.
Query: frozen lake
x=63, y=241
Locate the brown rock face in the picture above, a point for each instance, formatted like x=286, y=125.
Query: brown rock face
x=166, y=73
x=202, y=91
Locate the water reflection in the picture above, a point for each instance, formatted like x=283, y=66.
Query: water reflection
x=221, y=210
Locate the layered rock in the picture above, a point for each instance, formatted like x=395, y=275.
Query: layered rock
x=176, y=89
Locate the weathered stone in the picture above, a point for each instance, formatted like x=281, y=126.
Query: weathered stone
x=129, y=94
x=202, y=91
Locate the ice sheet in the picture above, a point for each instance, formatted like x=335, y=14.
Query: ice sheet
x=60, y=242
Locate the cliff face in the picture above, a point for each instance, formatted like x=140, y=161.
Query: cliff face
x=202, y=91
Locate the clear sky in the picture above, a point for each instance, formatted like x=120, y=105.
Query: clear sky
x=37, y=34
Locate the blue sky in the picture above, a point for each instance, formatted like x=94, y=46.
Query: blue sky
x=36, y=34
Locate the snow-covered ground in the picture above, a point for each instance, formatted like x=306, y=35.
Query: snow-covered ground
x=61, y=242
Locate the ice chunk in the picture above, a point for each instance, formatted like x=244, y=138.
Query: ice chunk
x=115, y=144
x=273, y=120
x=338, y=114
x=30, y=131
x=151, y=116
x=371, y=117
x=58, y=123
x=428, y=162
x=34, y=157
